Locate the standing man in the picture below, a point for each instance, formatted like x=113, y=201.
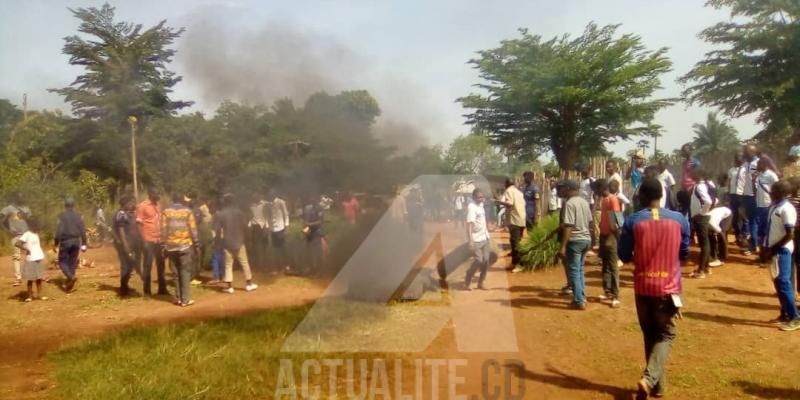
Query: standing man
x=278, y=217
x=230, y=225
x=701, y=203
x=656, y=240
x=127, y=241
x=637, y=171
x=667, y=180
x=613, y=173
x=312, y=230
x=764, y=180
x=351, y=208
x=687, y=181
x=13, y=219
x=70, y=238
x=478, y=240
x=531, y=193
x=259, y=232
x=746, y=181
x=575, y=240
x=782, y=220
x=735, y=192
x=553, y=202
x=179, y=233
x=514, y=202
x=610, y=222
x=587, y=192
x=148, y=216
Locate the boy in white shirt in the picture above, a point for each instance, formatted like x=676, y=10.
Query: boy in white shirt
x=763, y=182
x=33, y=268
x=782, y=219
x=699, y=206
x=478, y=236
x=719, y=220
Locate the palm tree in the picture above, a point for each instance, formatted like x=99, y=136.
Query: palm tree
x=715, y=143
x=715, y=136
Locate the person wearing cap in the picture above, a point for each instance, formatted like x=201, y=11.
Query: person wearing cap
x=576, y=239
x=514, y=202
x=70, y=238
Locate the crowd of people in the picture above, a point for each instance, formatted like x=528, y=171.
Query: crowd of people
x=187, y=233
x=653, y=229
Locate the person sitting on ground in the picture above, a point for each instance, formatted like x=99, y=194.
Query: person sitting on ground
x=656, y=240
x=782, y=220
x=33, y=268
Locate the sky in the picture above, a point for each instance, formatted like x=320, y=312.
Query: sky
x=411, y=55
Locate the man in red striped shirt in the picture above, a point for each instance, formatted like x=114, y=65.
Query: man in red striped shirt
x=656, y=240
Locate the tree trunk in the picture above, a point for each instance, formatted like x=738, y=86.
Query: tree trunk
x=567, y=157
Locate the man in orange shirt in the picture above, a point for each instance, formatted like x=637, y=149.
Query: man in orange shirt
x=610, y=215
x=148, y=216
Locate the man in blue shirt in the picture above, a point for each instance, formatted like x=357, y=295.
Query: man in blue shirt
x=531, y=193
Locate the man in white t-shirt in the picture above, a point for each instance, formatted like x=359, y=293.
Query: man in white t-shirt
x=478, y=239
x=719, y=220
x=782, y=220
x=668, y=181
x=700, y=204
x=746, y=189
x=740, y=227
x=763, y=182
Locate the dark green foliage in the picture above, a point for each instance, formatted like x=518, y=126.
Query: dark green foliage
x=540, y=246
x=571, y=96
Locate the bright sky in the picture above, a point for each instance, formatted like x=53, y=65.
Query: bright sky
x=410, y=54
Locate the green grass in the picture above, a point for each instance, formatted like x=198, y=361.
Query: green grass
x=540, y=246
x=220, y=359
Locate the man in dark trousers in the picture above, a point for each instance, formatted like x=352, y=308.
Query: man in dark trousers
x=70, y=238
x=514, y=202
x=656, y=240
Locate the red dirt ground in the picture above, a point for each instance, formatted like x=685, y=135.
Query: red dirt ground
x=725, y=348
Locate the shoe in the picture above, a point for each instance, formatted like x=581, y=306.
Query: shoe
x=43, y=298
x=715, y=263
x=228, y=290
x=196, y=282
x=566, y=291
x=250, y=287
x=620, y=264
x=781, y=320
x=576, y=306
x=481, y=287
x=747, y=253
x=603, y=297
x=28, y=300
x=697, y=275
x=792, y=325
x=643, y=389
x=187, y=304
x=615, y=303
x=16, y=282
x=517, y=269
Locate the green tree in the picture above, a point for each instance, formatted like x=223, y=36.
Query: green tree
x=571, y=96
x=125, y=69
x=751, y=71
x=10, y=115
x=715, y=142
x=472, y=155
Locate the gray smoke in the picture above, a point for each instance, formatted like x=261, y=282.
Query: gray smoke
x=224, y=61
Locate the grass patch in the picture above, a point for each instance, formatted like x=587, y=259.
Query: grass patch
x=219, y=359
x=539, y=248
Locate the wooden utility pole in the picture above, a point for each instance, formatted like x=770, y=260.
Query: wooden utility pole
x=132, y=122
x=24, y=106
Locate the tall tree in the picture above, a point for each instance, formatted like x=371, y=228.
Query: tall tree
x=125, y=68
x=754, y=68
x=571, y=96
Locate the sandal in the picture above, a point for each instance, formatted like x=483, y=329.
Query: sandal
x=17, y=282
x=187, y=304
x=28, y=300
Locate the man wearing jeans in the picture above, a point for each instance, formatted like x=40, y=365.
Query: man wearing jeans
x=230, y=224
x=13, y=220
x=656, y=240
x=278, y=219
x=576, y=239
x=780, y=234
x=478, y=239
x=70, y=238
x=148, y=216
x=179, y=233
x=746, y=179
x=514, y=202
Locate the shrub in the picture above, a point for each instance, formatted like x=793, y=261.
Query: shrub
x=539, y=249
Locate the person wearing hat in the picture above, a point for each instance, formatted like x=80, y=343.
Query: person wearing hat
x=70, y=238
x=576, y=238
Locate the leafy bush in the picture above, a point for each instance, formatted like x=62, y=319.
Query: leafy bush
x=539, y=248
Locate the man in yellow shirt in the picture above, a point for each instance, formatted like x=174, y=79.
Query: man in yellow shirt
x=514, y=201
